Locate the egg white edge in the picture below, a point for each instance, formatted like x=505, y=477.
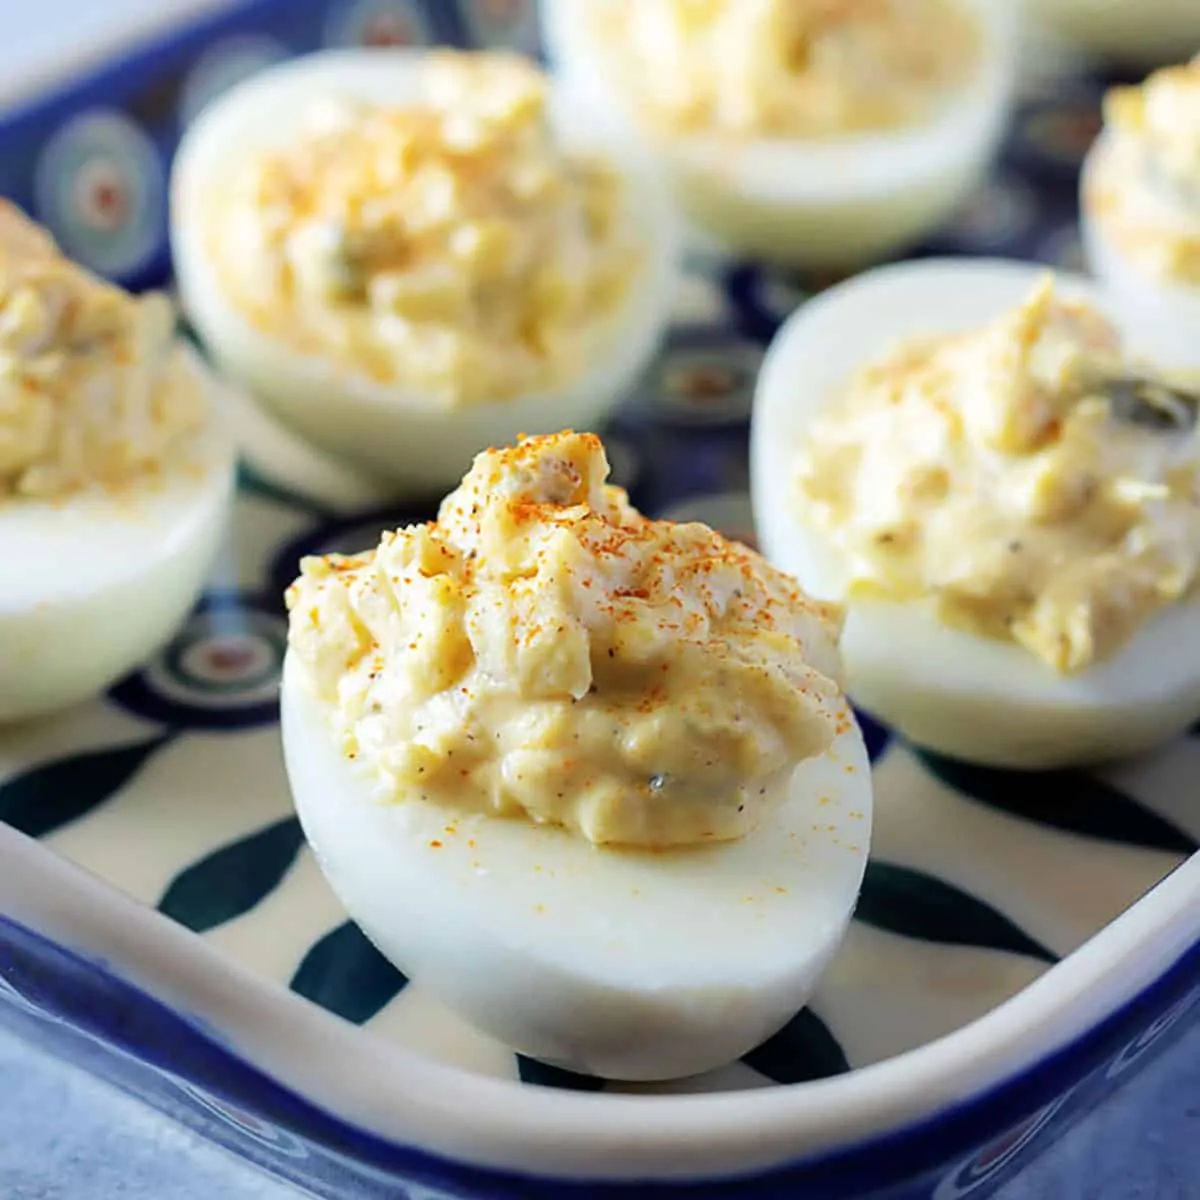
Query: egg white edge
x=826, y=170
x=208, y=456
x=280, y=95
x=908, y=299
x=1163, y=316
x=626, y=965
x=841, y=860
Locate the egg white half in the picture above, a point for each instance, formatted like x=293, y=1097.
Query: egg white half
x=986, y=701
x=622, y=964
x=796, y=202
x=410, y=441
x=1161, y=319
x=91, y=584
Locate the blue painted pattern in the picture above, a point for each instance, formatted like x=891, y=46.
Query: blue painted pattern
x=76, y=1007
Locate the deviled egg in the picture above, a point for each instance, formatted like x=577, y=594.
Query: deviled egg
x=588, y=776
x=1146, y=32
x=960, y=452
x=1141, y=212
x=115, y=478
x=797, y=131
x=412, y=255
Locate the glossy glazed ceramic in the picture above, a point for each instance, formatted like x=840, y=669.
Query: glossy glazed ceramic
x=1023, y=944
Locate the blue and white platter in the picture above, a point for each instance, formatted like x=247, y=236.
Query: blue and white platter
x=1023, y=945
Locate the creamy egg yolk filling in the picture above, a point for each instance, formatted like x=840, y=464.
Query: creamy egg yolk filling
x=450, y=246
x=544, y=651
x=1146, y=189
x=93, y=390
x=997, y=474
x=788, y=68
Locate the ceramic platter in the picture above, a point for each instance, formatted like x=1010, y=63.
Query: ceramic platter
x=1023, y=944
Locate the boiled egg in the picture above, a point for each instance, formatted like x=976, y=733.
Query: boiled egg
x=1143, y=32
x=396, y=430
x=1140, y=222
x=828, y=201
x=1161, y=316
x=618, y=963
x=91, y=583
x=588, y=776
x=956, y=692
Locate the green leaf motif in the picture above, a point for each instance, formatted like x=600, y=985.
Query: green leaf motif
x=803, y=1050
x=877, y=736
x=1071, y=801
x=915, y=905
x=544, y=1075
x=185, y=330
x=345, y=974
x=55, y=793
x=234, y=878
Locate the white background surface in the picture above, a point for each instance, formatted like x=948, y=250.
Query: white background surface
x=39, y=36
